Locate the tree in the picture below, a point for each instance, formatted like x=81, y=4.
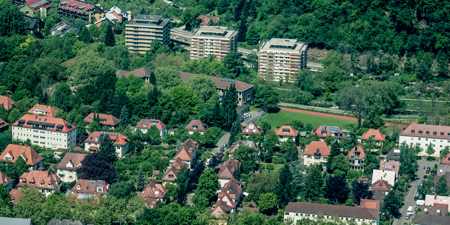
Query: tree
x=430, y=149
x=285, y=190
x=190, y=18
x=124, y=117
x=228, y=108
x=242, y=31
x=261, y=183
x=247, y=157
x=85, y=36
x=442, y=65
x=392, y=203
x=21, y=165
x=107, y=147
x=154, y=135
x=185, y=99
x=206, y=190
x=97, y=166
x=5, y=205
x=235, y=130
x=352, y=99
x=110, y=40
x=183, y=184
x=238, y=10
x=312, y=190
x=267, y=96
x=87, y=66
x=11, y=20
x=140, y=180
x=291, y=149
x=232, y=64
x=360, y=191
x=122, y=190
x=334, y=75
x=336, y=189
x=222, y=6
x=270, y=144
x=152, y=78
x=373, y=113
x=252, y=12
x=14, y=115
x=444, y=152
x=167, y=76
x=267, y=203
x=339, y=165
x=265, y=126
x=203, y=87
x=441, y=186
x=335, y=151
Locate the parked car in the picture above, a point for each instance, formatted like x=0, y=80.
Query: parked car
x=416, y=196
x=427, y=171
x=425, y=177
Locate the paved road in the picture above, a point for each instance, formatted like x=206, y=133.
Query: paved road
x=223, y=140
x=255, y=115
x=409, y=198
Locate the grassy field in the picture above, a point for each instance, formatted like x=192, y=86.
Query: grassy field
x=285, y=117
x=276, y=168
x=426, y=105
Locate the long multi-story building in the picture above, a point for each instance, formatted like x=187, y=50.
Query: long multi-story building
x=424, y=135
x=143, y=29
x=74, y=9
x=213, y=40
x=54, y=133
x=280, y=59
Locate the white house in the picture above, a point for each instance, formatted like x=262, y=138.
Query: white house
x=92, y=143
x=424, y=135
x=386, y=175
x=145, y=124
x=46, y=182
x=67, y=168
x=13, y=152
x=317, y=152
x=285, y=132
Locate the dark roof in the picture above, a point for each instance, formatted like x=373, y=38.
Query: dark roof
x=65, y=222
x=394, y=154
x=198, y=123
x=32, y=22
x=139, y=72
x=342, y=211
x=427, y=219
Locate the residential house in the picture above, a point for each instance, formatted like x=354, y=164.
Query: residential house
x=195, y=125
x=300, y=210
x=187, y=152
x=80, y=10
x=437, y=210
x=104, y=119
x=90, y=188
x=15, y=195
x=356, y=158
x=92, y=143
x=380, y=189
x=251, y=128
x=48, y=132
x=64, y=27
x=390, y=166
x=236, y=145
x=323, y=131
x=228, y=199
x=152, y=193
x=376, y=135
x=386, y=175
x=6, y=102
x=34, y=25
x=370, y=204
x=171, y=172
x=220, y=41
x=6, y=181
x=317, y=152
x=207, y=20
x=285, y=132
x=244, y=90
x=145, y=124
x=46, y=182
x=15, y=221
x=445, y=160
x=67, y=168
x=35, y=8
x=436, y=200
x=143, y=73
x=427, y=219
x=423, y=135
x=394, y=154
x=443, y=170
x=226, y=171
x=43, y=110
x=114, y=15
x=3, y=125
x=61, y=221
x=13, y=152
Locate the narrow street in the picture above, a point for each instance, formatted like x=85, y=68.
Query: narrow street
x=409, y=198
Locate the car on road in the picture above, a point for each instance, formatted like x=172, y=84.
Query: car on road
x=407, y=217
x=427, y=171
x=416, y=196
x=425, y=177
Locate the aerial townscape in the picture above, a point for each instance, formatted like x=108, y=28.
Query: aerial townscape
x=224, y=112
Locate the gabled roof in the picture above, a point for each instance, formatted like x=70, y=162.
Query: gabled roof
x=426, y=131
x=73, y=159
x=375, y=134
x=330, y=210
x=44, y=110
x=198, y=123
x=15, y=195
x=317, y=147
x=446, y=159
x=30, y=156
x=187, y=150
x=354, y=152
x=39, y=179
x=147, y=123
x=3, y=124
x=97, y=137
x=286, y=130
x=153, y=192
x=232, y=189
x=427, y=219
x=51, y=124
x=228, y=168
x=219, y=207
x=90, y=186
x=205, y=20
x=142, y=72
x=324, y=131
x=221, y=83
x=390, y=166
x=105, y=119
x=35, y=5
x=236, y=145
x=172, y=170
x=252, y=128
x=5, y=180
x=381, y=185
x=6, y=102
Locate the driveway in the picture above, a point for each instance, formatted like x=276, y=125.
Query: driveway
x=409, y=198
x=254, y=116
x=223, y=140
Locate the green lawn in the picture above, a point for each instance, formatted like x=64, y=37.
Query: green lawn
x=276, y=168
x=285, y=117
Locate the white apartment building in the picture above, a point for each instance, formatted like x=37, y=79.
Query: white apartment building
x=48, y=132
x=282, y=58
x=143, y=29
x=424, y=135
x=92, y=143
x=212, y=40
x=296, y=211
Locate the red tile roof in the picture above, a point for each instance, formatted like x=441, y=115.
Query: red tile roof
x=324, y=131
x=90, y=187
x=228, y=168
x=5, y=180
x=29, y=121
x=153, y=192
x=147, y=123
x=6, y=102
x=15, y=151
x=221, y=83
x=76, y=8
x=252, y=128
x=105, y=119
x=330, y=210
x=236, y=145
x=44, y=110
x=286, y=130
x=446, y=159
x=352, y=154
x=371, y=204
x=199, y=126
x=15, y=195
x=420, y=130
x=71, y=161
x=232, y=189
x=35, y=5
x=171, y=173
x=375, y=134
x=390, y=166
x=381, y=185
x=205, y=20
x=3, y=124
x=317, y=147
x=97, y=136
x=39, y=179
x=187, y=150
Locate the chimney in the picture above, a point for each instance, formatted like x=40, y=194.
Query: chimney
x=71, y=219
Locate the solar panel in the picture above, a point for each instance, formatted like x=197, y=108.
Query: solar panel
x=92, y=182
x=334, y=129
x=154, y=121
x=99, y=182
x=388, y=167
x=100, y=138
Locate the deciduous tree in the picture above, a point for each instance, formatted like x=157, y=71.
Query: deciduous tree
x=267, y=203
x=97, y=166
x=336, y=189
x=206, y=190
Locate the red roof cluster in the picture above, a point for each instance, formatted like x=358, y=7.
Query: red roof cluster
x=187, y=150
x=76, y=6
x=375, y=134
x=324, y=131
x=171, y=173
x=39, y=179
x=15, y=194
x=13, y=152
x=317, y=147
x=228, y=198
x=105, y=119
x=152, y=193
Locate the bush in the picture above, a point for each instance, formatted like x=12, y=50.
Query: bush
x=261, y=166
x=270, y=167
x=279, y=160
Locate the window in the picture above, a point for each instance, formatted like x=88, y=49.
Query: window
x=442, y=134
x=427, y=132
x=434, y=133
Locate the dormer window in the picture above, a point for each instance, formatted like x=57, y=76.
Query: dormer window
x=195, y=127
x=49, y=185
x=99, y=189
x=78, y=187
x=420, y=132
x=286, y=130
x=434, y=133
x=442, y=134
x=427, y=132
x=413, y=131
x=145, y=125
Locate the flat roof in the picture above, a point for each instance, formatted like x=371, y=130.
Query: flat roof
x=284, y=45
x=143, y=19
x=214, y=31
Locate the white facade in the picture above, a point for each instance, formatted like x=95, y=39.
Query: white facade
x=45, y=191
x=223, y=181
x=162, y=132
x=67, y=175
x=44, y=138
x=120, y=150
x=315, y=159
x=295, y=217
x=438, y=143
